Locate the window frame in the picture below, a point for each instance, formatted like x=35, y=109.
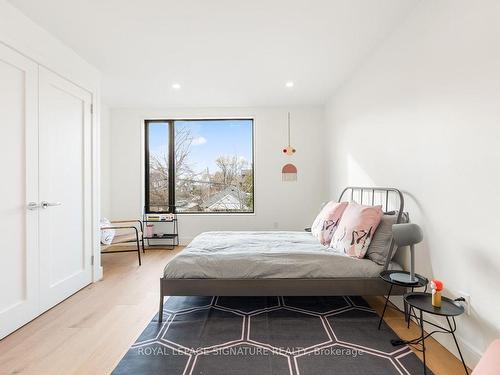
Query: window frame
x=171, y=166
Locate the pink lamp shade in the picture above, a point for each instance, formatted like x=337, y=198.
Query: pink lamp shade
x=289, y=172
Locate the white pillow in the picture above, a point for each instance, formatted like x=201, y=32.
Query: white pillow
x=107, y=235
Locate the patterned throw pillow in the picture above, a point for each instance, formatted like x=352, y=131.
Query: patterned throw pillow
x=327, y=221
x=356, y=229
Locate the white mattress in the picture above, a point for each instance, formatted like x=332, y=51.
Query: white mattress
x=265, y=254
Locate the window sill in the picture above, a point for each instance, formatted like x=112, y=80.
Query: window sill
x=216, y=214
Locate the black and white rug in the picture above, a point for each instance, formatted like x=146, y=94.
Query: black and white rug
x=267, y=335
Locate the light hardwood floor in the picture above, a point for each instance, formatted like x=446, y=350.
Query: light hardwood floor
x=89, y=332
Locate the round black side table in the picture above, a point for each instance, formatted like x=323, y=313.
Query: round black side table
x=449, y=309
x=386, y=276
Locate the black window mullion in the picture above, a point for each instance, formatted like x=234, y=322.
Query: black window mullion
x=171, y=167
x=146, y=167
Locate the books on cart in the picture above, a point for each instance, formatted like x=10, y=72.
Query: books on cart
x=160, y=217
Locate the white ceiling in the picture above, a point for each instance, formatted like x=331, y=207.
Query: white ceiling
x=222, y=52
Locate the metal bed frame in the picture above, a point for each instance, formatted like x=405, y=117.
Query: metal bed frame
x=293, y=286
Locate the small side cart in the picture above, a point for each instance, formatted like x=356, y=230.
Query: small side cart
x=168, y=235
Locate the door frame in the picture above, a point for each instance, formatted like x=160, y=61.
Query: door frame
x=97, y=272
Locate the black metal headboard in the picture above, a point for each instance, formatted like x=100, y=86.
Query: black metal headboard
x=377, y=196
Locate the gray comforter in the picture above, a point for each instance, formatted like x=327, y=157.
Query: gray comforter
x=252, y=255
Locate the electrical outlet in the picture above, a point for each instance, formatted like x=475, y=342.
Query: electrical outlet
x=275, y=225
x=465, y=303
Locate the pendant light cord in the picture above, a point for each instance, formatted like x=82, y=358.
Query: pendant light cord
x=288, y=129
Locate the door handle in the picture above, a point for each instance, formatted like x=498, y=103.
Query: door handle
x=33, y=206
x=45, y=204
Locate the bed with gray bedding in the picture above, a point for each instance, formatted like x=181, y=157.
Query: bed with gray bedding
x=265, y=255
x=272, y=263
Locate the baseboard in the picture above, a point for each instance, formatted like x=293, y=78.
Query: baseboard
x=98, y=274
x=471, y=354
x=184, y=241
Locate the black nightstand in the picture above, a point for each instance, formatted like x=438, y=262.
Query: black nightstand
x=449, y=309
x=386, y=276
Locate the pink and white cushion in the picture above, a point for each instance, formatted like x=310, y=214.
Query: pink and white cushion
x=326, y=222
x=490, y=362
x=356, y=229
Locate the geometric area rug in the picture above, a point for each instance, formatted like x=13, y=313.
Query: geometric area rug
x=267, y=335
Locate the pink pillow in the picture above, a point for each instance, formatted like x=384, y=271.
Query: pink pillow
x=356, y=228
x=327, y=221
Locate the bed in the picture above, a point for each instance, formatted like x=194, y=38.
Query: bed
x=276, y=263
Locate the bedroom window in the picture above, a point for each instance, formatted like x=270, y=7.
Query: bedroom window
x=199, y=166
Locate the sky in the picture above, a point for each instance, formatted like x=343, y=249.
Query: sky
x=211, y=139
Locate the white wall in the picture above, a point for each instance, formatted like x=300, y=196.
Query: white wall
x=278, y=205
x=22, y=34
x=422, y=114
x=105, y=157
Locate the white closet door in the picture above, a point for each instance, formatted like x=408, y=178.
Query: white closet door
x=65, y=186
x=19, y=185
